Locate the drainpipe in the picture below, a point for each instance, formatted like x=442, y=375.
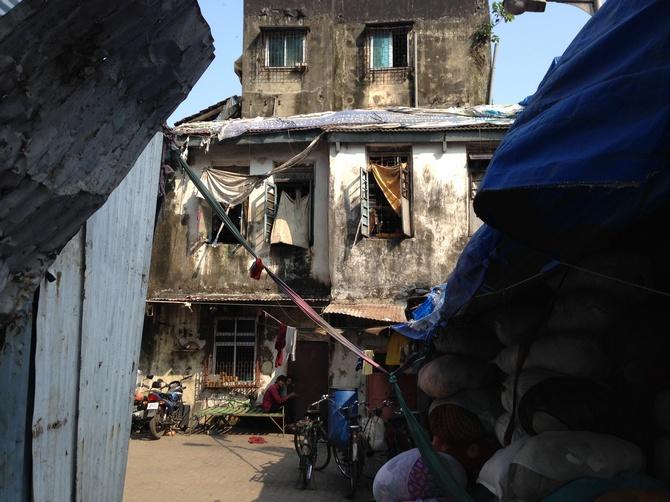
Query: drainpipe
x=416, y=69
x=489, y=91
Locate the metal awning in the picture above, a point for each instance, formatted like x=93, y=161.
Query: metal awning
x=388, y=312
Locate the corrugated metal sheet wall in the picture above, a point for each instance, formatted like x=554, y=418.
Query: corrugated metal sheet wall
x=84, y=383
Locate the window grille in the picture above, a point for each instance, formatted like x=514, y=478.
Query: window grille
x=284, y=49
x=235, y=348
x=386, y=54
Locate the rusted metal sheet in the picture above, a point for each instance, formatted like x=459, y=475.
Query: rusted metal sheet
x=230, y=298
x=118, y=251
x=388, y=312
x=89, y=329
x=54, y=425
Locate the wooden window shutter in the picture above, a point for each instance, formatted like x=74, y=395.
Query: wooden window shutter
x=270, y=209
x=405, y=200
x=365, y=202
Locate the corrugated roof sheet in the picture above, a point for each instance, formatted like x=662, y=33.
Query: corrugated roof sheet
x=388, y=312
x=217, y=298
x=385, y=118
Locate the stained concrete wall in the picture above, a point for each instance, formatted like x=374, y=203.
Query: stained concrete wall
x=370, y=268
x=163, y=356
x=449, y=72
x=183, y=263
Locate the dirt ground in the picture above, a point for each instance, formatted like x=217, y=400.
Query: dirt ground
x=202, y=468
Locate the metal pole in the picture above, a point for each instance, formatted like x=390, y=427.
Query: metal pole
x=416, y=69
x=489, y=93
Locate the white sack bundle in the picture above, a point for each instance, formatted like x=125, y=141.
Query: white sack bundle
x=468, y=342
x=448, y=374
x=584, y=311
x=576, y=357
x=552, y=459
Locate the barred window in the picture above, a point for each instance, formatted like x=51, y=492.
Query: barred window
x=284, y=48
x=235, y=348
x=387, y=47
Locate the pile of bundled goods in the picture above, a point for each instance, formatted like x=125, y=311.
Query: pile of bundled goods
x=557, y=391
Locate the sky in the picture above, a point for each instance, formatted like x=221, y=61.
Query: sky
x=527, y=46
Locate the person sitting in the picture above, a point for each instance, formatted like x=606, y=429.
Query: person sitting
x=273, y=399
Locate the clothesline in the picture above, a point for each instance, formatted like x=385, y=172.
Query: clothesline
x=435, y=463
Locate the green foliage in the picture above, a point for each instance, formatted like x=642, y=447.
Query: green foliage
x=484, y=33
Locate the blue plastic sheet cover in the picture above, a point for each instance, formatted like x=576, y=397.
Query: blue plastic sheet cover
x=489, y=263
x=588, y=156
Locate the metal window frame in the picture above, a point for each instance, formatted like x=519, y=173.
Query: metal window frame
x=391, y=30
x=234, y=343
x=284, y=34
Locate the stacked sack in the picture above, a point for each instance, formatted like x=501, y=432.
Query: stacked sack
x=559, y=422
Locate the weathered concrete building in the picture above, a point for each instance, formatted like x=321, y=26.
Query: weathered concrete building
x=304, y=57
x=375, y=210
x=360, y=261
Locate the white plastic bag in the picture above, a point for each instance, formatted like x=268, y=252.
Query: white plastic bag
x=375, y=432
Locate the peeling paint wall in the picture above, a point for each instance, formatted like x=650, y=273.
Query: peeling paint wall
x=371, y=268
x=184, y=264
x=337, y=74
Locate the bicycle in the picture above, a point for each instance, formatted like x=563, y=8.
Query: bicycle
x=350, y=460
x=311, y=443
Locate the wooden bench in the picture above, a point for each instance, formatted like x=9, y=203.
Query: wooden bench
x=277, y=418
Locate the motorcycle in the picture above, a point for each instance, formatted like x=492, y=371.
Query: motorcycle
x=140, y=400
x=165, y=410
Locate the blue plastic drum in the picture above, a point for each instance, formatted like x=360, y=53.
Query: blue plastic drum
x=338, y=425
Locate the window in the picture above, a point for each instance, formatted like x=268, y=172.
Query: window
x=284, y=48
x=289, y=207
x=217, y=232
x=386, y=195
x=387, y=47
x=479, y=156
x=235, y=348
x=220, y=233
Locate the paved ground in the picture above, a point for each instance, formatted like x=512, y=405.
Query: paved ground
x=201, y=468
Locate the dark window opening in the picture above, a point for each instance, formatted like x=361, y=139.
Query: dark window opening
x=220, y=233
x=379, y=217
x=388, y=47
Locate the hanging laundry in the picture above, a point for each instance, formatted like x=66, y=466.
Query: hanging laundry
x=394, y=348
x=291, y=225
x=280, y=343
x=367, y=367
x=291, y=341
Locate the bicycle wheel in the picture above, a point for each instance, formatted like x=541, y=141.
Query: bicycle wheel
x=306, y=469
x=322, y=458
x=357, y=455
x=342, y=459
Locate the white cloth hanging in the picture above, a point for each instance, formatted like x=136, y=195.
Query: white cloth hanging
x=291, y=341
x=291, y=225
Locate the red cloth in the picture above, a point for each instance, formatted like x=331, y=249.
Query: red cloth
x=273, y=398
x=256, y=269
x=280, y=343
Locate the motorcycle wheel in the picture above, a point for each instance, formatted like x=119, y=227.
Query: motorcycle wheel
x=157, y=425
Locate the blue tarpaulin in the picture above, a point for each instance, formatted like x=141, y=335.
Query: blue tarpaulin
x=588, y=157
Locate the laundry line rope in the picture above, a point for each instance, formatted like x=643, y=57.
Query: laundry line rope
x=436, y=464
